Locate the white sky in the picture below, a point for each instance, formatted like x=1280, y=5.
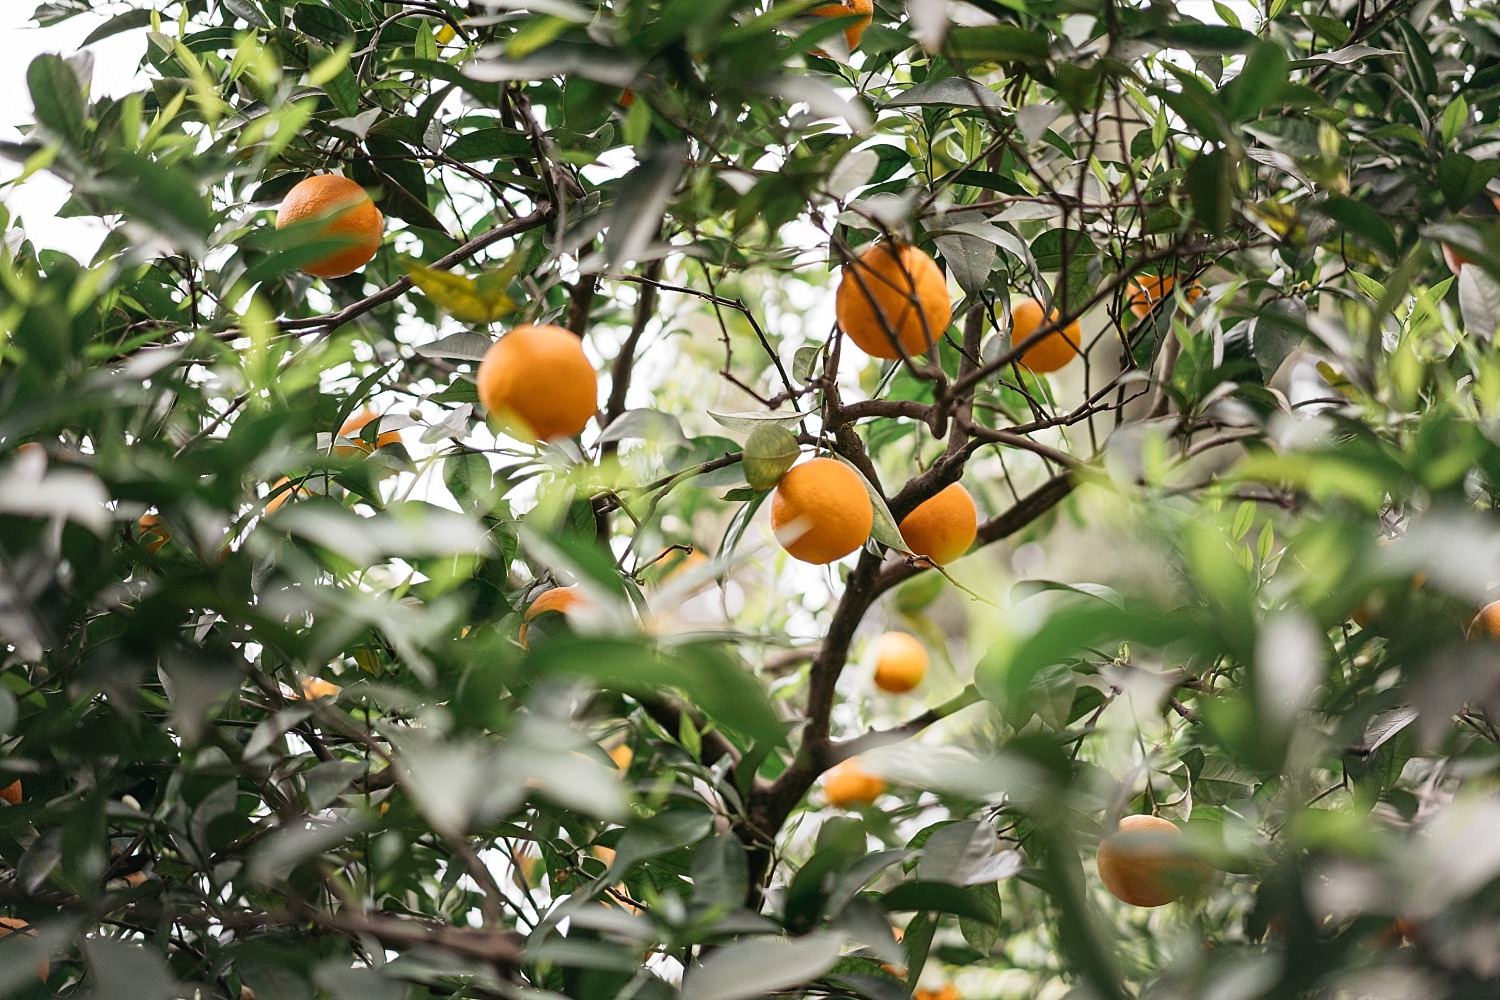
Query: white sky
x=115, y=60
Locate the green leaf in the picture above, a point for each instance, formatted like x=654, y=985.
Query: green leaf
x=747, y=423
x=1461, y=179
x=58, y=99
x=707, y=674
x=759, y=966
x=1209, y=181
x=162, y=198
x=469, y=300
x=983, y=935
x=126, y=971
x=1455, y=117
x=937, y=897
x=1211, y=38
x=1260, y=81
x=950, y=92
x=996, y=43
x=490, y=144
x=884, y=530
x=1361, y=220
x=1078, y=624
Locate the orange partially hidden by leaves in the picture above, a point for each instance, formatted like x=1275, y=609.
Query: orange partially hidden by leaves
x=947, y=992
x=348, y=215
x=1147, y=290
x=314, y=688
x=820, y=511
x=12, y=792
x=153, y=533
x=893, y=290
x=852, y=34
x=1454, y=259
x=848, y=784
x=1140, y=865
x=943, y=527
x=622, y=756
x=351, y=430
x=1054, y=350
x=278, y=498
x=537, y=381
x=1486, y=624
x=900, y=662
x=14, y=925
x=559, y=599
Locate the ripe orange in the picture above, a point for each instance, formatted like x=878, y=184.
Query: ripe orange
x=314, y=688
x=904, y=286
x=537, y=380
x=12, y=792
x=947, y=992
x=348, y=215
x=622, y=755
x=943, y=527
x=1054, y=350
x=820, y=511
x=1140, y=865
x=900, y=662
x=1486, y=624
x=563, y=600
x=1147, y=290
x=277, y=499
x=1454, y=259
x=153, y=533
x=9, y=925
x=852, y=34
x=351, y=430
x=848, y=784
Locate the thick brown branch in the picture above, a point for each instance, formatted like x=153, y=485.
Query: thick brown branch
x=620, y=371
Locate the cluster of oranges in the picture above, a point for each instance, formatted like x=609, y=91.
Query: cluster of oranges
x=537, y=382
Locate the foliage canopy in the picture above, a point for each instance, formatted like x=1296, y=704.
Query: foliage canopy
x=263, y=685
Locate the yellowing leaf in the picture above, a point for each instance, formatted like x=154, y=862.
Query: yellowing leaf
x=471, y=300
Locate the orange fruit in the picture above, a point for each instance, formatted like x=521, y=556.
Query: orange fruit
x=947, y=992
x=9, y=925
x=279, y=498
x=537, y=380
x=153, y=533
x=900, y=662
x=348, y=215
x=848, y=784
x=1146, y=290
x=1140, y=865
x=1054, y=350
x=12, y=792
x=852, y=34
x=1454, y=259
x=622, y=755
x=897, y=287
x=943, y=527
x=351, y=430
x=1486, y=624
x=563, y=600
x=820, y=511
x=314, y=688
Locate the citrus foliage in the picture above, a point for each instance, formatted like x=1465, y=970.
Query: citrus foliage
x=1219, y=380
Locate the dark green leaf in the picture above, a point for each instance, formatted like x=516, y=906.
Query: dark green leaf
x=937, y=897
x=58, y=99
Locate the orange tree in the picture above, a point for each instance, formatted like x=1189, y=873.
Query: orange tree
x=1196, y=303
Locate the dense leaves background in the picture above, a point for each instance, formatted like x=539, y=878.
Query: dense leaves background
x=1227, y=560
